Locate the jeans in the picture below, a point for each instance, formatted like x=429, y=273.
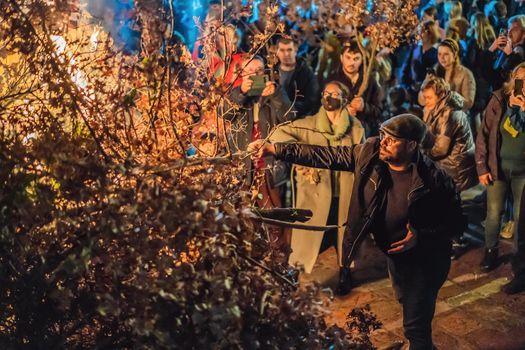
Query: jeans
x=518, y=259
x=496, y=206
x=416, y=284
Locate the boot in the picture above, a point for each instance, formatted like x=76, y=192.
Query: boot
x=344, y=286
x=459, y=247
x=516, y=285
x=490, y=260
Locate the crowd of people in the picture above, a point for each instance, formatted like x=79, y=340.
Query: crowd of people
x=391, y=153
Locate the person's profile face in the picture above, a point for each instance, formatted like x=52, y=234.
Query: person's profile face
x=515, y=32
x=394, y=150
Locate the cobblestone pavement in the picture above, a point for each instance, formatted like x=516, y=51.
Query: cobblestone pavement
x=471, y=312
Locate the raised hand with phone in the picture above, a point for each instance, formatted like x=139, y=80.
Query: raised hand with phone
x=501, y=42
x=517, y=98
x=255, y=82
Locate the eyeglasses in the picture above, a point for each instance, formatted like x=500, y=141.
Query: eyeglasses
x=331, y=94
x=387, y=139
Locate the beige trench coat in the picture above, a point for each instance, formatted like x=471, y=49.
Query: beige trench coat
x=314, y=190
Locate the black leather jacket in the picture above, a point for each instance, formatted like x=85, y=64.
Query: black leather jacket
x=434, y=206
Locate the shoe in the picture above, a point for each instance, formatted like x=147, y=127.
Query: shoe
x=344, y=286
x=508, y=230
x=459, y=247
x=515, y=286
x=490, y=260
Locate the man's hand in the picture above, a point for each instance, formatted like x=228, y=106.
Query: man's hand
x=246, y=85
x=261, y=148
x=351, y=111
x=485, y=179
x=406, y=243
x=499, y=43
x=269, y=89
x=358, y=104
x=507, y=49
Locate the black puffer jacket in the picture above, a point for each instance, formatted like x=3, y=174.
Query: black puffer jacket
x=434, y=209
x=449, y=140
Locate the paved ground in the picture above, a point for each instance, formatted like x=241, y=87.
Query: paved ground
x=471, y=311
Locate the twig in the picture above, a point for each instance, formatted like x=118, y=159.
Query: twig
x=294, y=285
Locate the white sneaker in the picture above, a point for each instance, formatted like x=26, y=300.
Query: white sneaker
x=508, y=230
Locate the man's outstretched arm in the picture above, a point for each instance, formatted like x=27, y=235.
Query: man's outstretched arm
x=333, y=158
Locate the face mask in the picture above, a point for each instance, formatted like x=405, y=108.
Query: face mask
x=331, y=104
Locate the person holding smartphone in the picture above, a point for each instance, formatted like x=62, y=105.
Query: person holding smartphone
x=500, y=159
x=262, y=104
x=508, y=50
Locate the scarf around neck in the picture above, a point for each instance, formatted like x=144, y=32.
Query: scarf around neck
x=334, y=133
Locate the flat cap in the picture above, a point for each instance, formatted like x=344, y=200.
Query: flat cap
x=405, y=126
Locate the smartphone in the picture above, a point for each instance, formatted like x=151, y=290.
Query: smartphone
x=502, y=32
x=518, y=87
x=259, y=83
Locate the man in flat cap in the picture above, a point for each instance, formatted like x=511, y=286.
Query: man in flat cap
x=409, y=205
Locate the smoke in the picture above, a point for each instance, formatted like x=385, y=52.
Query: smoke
x=117, y=18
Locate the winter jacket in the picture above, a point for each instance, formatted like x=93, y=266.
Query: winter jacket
x=274, y=109
x=434, y=209
x=313, y=187
x=488, y=141
x=303, y=90
x=449, y=140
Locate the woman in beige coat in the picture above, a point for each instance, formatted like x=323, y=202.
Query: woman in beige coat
x=319, y=189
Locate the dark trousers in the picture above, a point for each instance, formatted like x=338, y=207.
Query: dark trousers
x=416, y=284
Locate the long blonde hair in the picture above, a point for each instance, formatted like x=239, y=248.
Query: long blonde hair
x=483, y=31
x=508, y=87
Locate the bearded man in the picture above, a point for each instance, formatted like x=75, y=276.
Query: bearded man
x=410, y=206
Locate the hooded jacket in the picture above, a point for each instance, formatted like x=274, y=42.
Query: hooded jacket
x=449, y=140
